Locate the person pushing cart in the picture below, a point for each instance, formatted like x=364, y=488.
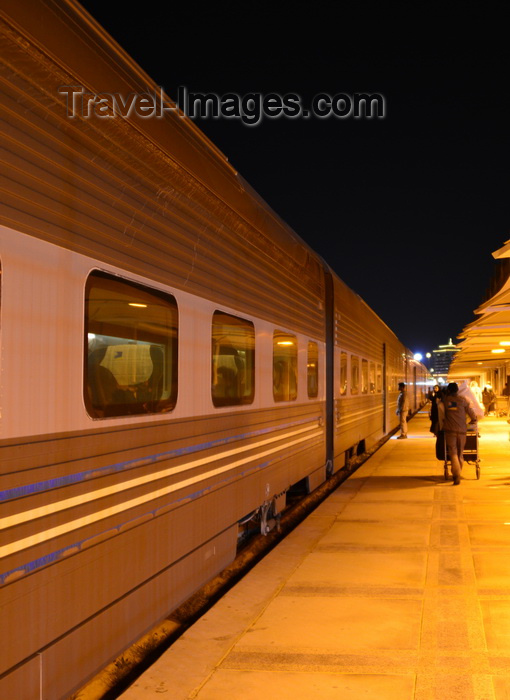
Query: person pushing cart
x=456, y=411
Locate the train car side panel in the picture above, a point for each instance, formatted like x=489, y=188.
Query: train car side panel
x=368, y=360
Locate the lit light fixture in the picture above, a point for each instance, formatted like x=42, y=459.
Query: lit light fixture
x=138, y=306
x=504, y=342
x=498, y=351
x=418, y=356
x=428, y=355
x=431, y=369
x=285, y=342
x=479, y=363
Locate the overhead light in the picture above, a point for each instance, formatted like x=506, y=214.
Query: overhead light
x=479, y=363
x=504, y=342
x=290, y=342
x=139, y=306
x=498, y=351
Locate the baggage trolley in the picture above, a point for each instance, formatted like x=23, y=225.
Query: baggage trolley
x=470, y=453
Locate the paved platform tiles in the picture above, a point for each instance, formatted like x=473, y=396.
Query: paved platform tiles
x=396, y=588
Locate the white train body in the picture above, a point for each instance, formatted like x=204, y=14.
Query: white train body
x=132, y=446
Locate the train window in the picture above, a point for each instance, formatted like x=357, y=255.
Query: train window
x=364, y=376
x=284, y=366
x=354, y=374
x=371, y=385
x=343, y=373
x=312, y=370
x=131, y=348
x=233, y=360
x=378, y=380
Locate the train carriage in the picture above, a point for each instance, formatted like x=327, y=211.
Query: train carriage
x=173, y=358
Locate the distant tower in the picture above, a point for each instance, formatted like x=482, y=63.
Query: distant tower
x=442, y=359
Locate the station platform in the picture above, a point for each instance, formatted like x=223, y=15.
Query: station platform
x=397, y=587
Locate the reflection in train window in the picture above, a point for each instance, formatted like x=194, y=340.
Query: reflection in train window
x=364, y=376
x=371, y=385
x=284, y=366
x=343, y=373
x=131, y=348
x=312, y=367
x=233, y=360
x=354, y=374
x=378, y=380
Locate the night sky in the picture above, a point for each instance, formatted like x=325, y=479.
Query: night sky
x=408, y=209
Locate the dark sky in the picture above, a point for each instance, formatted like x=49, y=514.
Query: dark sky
x=407, y=209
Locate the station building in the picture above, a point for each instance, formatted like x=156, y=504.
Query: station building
x=484, y=351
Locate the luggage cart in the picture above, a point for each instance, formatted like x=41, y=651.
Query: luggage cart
x=470, y=453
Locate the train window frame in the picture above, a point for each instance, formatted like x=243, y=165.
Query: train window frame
x=364, y=376
x=355, y=375
x=343, y=374
x=312, y=370
x=131, y=348
x=285, y=366
x=233, y=376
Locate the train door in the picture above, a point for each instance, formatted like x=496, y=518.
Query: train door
x=330, y=370
x=385, y=390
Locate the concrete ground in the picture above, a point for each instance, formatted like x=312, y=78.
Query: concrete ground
x=396, y=588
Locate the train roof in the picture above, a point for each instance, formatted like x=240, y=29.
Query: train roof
x=88, y=56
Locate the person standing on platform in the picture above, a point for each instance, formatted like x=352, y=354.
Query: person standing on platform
x=435, y=398
x=488, y=397
x=456, y=411
x=402, y=410
x=477, y=392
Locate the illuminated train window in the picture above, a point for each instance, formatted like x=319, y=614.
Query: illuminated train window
x=364, y=376
x=233, y=360
x=378, y=380
x=284, y=366
x=343, y=373
x=354, y=374
x=371, y=385
x=130, y=348
x=312, y=369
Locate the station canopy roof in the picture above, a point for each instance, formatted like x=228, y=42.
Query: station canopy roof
x=485, y=342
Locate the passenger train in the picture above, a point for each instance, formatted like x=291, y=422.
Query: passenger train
x=174, y=359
